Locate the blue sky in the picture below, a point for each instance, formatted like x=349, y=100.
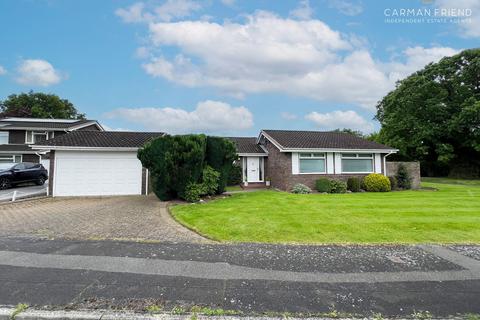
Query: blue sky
x=226, y=66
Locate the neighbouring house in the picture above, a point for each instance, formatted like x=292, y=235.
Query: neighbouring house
x=285, y=158
x=16, y=134
x=97, y=163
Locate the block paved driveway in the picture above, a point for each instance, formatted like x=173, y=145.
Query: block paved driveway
x=122, y=218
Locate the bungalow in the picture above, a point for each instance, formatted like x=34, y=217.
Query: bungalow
x=285, y=158
x=99, y=163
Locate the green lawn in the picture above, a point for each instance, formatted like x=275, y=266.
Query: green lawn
x=233, y=188
x=449, y=215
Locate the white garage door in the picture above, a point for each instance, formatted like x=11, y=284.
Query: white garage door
x=90, y=173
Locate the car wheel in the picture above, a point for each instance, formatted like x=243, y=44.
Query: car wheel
x=4, y=183
x=40, y=181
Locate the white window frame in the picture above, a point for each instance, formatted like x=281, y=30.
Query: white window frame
x=38, y=133
x=12, y=157
x=356, y=156
x=7, y=134
x=314, y=156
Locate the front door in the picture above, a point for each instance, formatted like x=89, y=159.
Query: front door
x=253, y=169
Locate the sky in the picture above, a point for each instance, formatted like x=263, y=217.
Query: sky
x=227, y=67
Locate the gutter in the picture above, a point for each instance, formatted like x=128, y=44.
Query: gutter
x=385, y=162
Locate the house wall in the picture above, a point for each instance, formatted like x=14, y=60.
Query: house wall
x=413, y=169
x=16, y=137
x=51, y=173
x=30, y=158
x=278, y=168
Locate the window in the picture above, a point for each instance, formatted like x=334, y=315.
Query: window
x=37, y=136
x=357, y=162
x=3, y=137
x=312, y=162
x=9, y=158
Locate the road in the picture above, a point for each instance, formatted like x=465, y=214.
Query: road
x=251, y=278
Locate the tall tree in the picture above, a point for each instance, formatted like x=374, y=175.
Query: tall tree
x=434, y=116
x=38, y=105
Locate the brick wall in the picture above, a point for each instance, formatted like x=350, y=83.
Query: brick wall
x=278, y=169
x=412, y=167
x=30, y=158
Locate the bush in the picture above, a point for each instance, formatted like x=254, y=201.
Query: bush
x=393, y=183
x=404, y=180
x=323, y=185
x=338, y=186
x=353, y=184
x=220, y=154
x=301, y=189
x=376, y=182
x=178, y=161
x=210, y=180
x=193, y=192
x=235, y=176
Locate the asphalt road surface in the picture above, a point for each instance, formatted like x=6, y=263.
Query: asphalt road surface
x=251, y=278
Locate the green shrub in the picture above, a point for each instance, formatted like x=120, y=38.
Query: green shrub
x=301, y=189
x=338, y=186
x=353, y=184
x=404, y=180
x=193, y=192
x=210, y=180
x=376, y=182
x=235, y=176
x=393, y=182
x=323, y=185
x=220, y=154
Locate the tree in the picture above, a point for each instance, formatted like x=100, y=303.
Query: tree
x=350, y=131
x=434, y=116
x=38, y=105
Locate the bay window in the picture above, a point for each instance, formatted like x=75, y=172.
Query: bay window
x=357, y=162
x=312, y=162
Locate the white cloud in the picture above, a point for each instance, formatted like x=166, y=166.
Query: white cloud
x=108, y=128
x=349, y=8
x=288, y=116
x=268, y=53
x=2, y=71
x=416, y=59
x=470, y=28
x=303, y=12
x=340, y=120
x=37, y=72
x=169, y=10
x=208, y=116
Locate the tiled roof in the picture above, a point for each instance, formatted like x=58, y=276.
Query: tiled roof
x=15, y=148
x=103, y=139
x=43, y=124
x=247, y=145
x=321, y=139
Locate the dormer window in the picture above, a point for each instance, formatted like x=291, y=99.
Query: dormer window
x=37, y=136
x=4, y=137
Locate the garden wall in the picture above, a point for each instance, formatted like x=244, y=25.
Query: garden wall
x=412, y=167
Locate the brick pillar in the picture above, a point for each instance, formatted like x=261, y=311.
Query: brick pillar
x=51, y=173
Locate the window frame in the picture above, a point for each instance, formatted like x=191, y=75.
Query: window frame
x=358, y=156
x=48, y=135
x=312, y=156
x=13, y=157
x=7, y=134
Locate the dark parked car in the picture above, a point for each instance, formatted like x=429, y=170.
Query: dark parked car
x=15, y=173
